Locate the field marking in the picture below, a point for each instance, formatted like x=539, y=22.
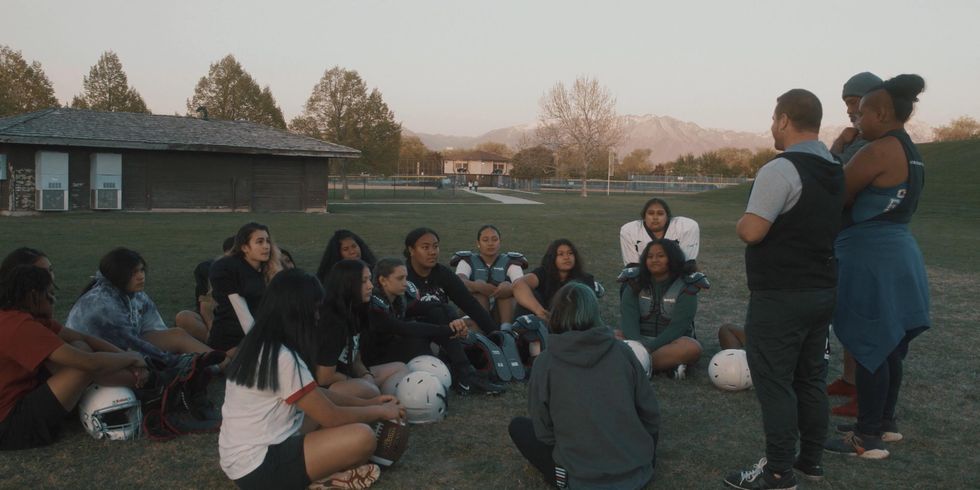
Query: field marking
x=502, y=198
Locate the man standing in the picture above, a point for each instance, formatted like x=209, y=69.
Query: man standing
x=789, y=226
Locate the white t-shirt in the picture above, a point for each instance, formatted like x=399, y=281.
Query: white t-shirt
x=633, y=238
x=514, y=271
x=255, y=419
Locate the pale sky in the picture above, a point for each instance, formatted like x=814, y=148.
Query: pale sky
x=465, y=67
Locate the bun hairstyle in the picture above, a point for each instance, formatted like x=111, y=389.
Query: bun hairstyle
x=904, y=91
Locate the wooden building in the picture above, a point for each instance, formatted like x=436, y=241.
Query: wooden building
x=68, y=159
x=489, y=169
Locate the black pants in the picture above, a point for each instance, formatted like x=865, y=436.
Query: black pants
x=877, y=392
x=536, y=452
x=786, y=337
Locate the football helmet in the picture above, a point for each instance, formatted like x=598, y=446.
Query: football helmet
x=423, y=396
x=110, y=412
x=642, y=355
x=434, y=366
x=729, y=370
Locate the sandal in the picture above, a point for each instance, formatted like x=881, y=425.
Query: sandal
x=359, y=477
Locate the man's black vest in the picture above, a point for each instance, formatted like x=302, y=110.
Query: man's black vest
x=798, y=250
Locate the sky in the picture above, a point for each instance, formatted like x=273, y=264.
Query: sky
x=467, y=67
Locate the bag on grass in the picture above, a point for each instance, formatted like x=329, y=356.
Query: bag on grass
x=177, y=402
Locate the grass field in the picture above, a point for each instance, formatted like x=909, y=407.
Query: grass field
x=705, y=432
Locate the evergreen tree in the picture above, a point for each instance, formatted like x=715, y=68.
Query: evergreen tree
x=23, y=87
x=228, y=92
x=106, y=88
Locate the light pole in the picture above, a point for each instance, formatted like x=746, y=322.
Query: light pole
x=612, y=157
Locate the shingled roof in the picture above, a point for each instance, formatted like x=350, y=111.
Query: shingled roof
x=126, y=130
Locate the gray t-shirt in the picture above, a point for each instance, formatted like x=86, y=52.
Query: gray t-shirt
x=777, y=186
x=848, y=152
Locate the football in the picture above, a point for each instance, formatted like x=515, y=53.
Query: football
x=392, y=442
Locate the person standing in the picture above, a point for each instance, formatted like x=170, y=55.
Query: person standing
x=789, y=226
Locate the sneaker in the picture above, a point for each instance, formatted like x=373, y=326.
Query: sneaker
x=841, y=388
x=854, y=444
x=849, y=409
x=679, y=372
x=358, y=478
x=759, y=477
x=889, y=430
x=812, y=472
x=473, y=383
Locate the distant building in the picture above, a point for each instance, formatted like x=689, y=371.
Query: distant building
x=67, y=160
x=488, y=168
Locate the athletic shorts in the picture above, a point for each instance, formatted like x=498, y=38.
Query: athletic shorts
x=284, y=466
x=34, y=421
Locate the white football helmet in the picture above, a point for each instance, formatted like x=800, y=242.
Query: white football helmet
x=111, y=412
x=423, y=396
x=642, y=355
x=434, y=366
x=729, y=370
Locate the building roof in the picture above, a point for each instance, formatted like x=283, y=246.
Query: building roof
x=475, y=156
x=126, y=130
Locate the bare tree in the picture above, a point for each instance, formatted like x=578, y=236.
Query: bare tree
x=581, y=119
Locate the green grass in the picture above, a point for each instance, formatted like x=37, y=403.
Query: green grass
x=392, y=194
x=705, y=432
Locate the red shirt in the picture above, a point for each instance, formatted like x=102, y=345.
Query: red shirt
x=25, y=342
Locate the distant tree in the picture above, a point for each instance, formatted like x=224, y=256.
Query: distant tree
x=961, y=128
x=535, y=162
x=228, y=92
x=637, y=162
x=411, y=150
x=581, y=118
x=496, y=148
x=23, y=87
x=106, y=88
x=341, y=110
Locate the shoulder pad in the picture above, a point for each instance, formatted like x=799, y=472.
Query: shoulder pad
x=462, y=254
x=629, y=273
x=695, y=282
x=378, y=302
x=599, y=290
x=411, y=291
x=517, y=258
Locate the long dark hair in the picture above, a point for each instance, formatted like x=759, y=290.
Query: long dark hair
x=342, y=301
x=20, y=256
x=23, y=280
x=552, y=279
x=286, y=318
x=118, y=267
x=675, y=261
x=331, y=254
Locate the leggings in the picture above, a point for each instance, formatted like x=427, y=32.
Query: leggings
x=877, y=392
x=536, y=452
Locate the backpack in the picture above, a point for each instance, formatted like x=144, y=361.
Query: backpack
x=177, y=402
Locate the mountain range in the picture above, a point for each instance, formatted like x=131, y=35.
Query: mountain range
x=666, y=136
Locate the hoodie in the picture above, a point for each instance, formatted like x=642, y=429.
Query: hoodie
x=588, y=396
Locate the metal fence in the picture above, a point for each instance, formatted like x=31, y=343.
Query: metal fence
x=642, y=184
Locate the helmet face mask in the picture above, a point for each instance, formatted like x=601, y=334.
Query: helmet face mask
x=110, y=412
x=729, y=370
x=424, y=397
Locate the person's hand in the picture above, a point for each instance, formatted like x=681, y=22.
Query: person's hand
x=618, y=333
x=460, y=329
x=848, y=135
x=485, y=288
x=382, y=399
x=136, y=359
x=142, y=375
x=393, y=410
x=543, y=314
x=503, y=289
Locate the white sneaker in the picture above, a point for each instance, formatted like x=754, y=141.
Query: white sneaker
x=680, y=372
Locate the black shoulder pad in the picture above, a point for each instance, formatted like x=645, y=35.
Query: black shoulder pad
x=599, y=290
x=462, y=254
x=411, y=291
x=518, y=259
x=696, y=282
x=378, y=302
x=628, y=273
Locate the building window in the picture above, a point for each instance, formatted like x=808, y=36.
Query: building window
x=498, y=169
x=463, y=168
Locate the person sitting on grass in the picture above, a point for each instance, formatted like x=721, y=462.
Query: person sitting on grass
x=584, y=363
x=560, y=265
x=198, y=323
x=45, y=367
x=114, y=307
x=344, y=321
x=658, y=308
x=25, y=256
x=344, y=245
x=279, y=430
x=489, y=275
x=656, y=221
x=394, y=338
x=238, y=282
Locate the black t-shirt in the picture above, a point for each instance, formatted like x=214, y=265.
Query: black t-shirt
x=233, y=275
x=548, y=287
x=341, y=338
x=201, y=277
x=442, y=285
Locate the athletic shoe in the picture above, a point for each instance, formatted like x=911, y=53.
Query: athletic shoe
x=760, y=478
x=812, y=472
x=849, y=409
x=889, y=430
x=854, y=444
x=679, y=372
x=473, y=383
x=357, y=478
x=841, y=388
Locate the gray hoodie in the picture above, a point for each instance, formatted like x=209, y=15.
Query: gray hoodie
x=589, y=397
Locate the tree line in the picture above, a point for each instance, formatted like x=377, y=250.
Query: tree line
x=340, y=108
